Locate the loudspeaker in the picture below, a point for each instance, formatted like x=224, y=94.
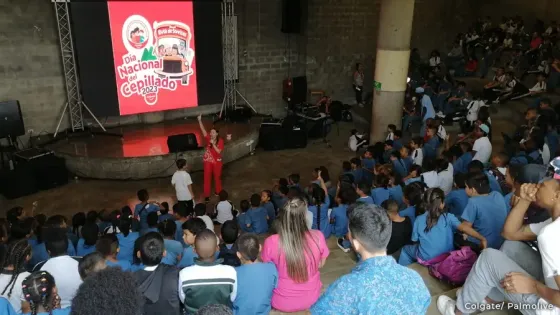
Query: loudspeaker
x=11, y=121
x=182, y=143
x=240, y=114
x=18, y=182
x=299, y=85
x=287, y=90
x=50, y=171
x=293, y=15
x=274, y=137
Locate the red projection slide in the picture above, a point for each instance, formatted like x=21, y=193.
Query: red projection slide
x=154, y=55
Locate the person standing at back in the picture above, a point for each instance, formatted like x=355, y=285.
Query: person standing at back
x=182, y=182
x=358, y=84
x=377, y=285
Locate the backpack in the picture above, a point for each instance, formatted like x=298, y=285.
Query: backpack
x=452, y=267
x=229, y=255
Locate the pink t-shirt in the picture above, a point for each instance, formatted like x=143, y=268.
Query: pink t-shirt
x=290, y=296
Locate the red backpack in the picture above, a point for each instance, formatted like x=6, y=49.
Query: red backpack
x=452, y=267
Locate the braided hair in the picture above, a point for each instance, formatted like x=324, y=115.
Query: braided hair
x=38, y=291
x=16, y=256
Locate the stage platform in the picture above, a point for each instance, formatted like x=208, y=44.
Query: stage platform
x=142, y=150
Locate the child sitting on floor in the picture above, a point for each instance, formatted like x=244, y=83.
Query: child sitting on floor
x=258, y=216
x=433, y=231
x=207, y=282
x=416, y=144
x=363, y=190
x=190, y=229
x=432, y=144
x=380, y=192
x=338, y=216
x=405, y=156
x=401, y=230
x=266, y=203
x=357, y=170
x=108, y=246
x=228, y=249
x=413, y=175
x=200, y=212
x=457, y=199
x=319, y=207
x=173, y=248
x=255, y=280
x=224, y=209
x=152, y=223
x=244, y=219
x=164, y=212
x=412, y=198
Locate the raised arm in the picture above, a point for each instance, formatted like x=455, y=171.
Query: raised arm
x=514, y=229
x=204, y=133
x=322, y=184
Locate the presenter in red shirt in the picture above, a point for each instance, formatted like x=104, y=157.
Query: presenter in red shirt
x=212, y=159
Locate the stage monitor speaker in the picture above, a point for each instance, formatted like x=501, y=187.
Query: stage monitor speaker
x=293, y=15
x=299, y=85
x=11, y=121
x=287, y=90
x=18, y=182
x=50, y=171
x=182, y=143
x=273, y=138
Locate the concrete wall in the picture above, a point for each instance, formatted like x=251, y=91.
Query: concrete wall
x=545, y=10
x=339, y=34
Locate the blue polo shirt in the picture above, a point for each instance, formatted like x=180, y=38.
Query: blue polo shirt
x=339, y=219
x=461, y=164
x=243, y=219
x=456, y=201
x=487, y=215
x=258, y=219
x=187, y=258
x=379, y=195
x=439, y=239
x=507, y=199
x=358, y=174
x=173, y=250
x=430, y=147
x=142, y=211
x=83, y=249
x=396, y=194
x=409, y=212
x=255, y=283
x=367, y=200
x=399, y=167
x=123, y=264
x=324, y=224
x=126, y=245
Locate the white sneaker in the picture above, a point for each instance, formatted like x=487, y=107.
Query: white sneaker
x=440, y=113
x=446, y=305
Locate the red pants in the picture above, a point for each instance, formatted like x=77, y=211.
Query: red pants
x=209, y=170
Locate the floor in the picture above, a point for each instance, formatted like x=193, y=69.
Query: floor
x=241, y=179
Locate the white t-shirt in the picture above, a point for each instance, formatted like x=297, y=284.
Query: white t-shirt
x=441, y=132
x=430, y=179
x=353, y=142
x=545, y=154
x=64, y=270
x=539, y=87
x=418, y=156
x=434, y=61
x=309, y=219
x=483, y=149
x=390, y=136
x=208, y=222
x=445, y=180
x=223, y=209
x=181, y=180
x=548, y=233
x=17, y=294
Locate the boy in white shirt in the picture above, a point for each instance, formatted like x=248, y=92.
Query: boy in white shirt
x=391, y=132
x=482, y=146
x=417, y=153
x=182, y=182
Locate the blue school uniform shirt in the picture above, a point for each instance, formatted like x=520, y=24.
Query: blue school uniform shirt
x=379, y=195
x=126, y=245
x=396, y=194
x=259, y=223
x=173, y=250
x=377, y=285
x=428, y=107
x=439, y=239
x=367, y=200
x=148, y=230
x=507, y=199
x=125, y=265
x=243, y=219
x=368, y=165
x=84, y=249
x=456, y=201
x=412, y=180
x=340, y=218
x=408, y=162
x=397, y=144
x=270, y=211
x=430, y=147
x=6, y=308
x=39, y=251
x=358, y=175
x=60, y=311
x=487, y=215
x=142, y=210
x=179, y=232
x=279, y=200
x=164, y=217
x=409, y=212
x=400, y=168
x=461, y=165
x=255, y=283
x=187, y=258
x=324, y=225
x=494, y=185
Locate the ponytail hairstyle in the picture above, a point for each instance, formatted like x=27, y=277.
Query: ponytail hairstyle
x=39, y=290
x=125, y=224
x=432, y=202
x=115, y=220
x=317, y=199
x=16, y=257
x=167, y=228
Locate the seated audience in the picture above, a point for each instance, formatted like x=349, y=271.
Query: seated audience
x=528, y=278
x=157, y=282
x=255, y=280
x=17, y=256
x=457, y=199
x=108, y=291
x=108, y=246
x=412, y=198
x=429, y=175
x=243, y=218
x=91, y=263
x=401, y=227
x=338, y=216
x=482, y=148
x=433, y=231
x=182, y=214
x=477, y=167
x=62, y=267
x=414, y=175
x=357, y=170
x=200, y=212
x=319, y=207
x=257, y=215
x=173, y=249
x=266, y=203
x=40, y=291
x=444, y=175
x=86, y=244
x=432, y=144
x=298, y=253
x=224, y=208
x=399, y=165
x=416, y=144
x=228, y=247
x=164, y=212
x=190, y=230
x=380, y=191
x=363, y=190
x=142, y=209
x=126, y=239
x=377, y=285
x=152, y=221
x=207, y=282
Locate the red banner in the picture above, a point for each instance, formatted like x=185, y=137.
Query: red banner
x=154, y=55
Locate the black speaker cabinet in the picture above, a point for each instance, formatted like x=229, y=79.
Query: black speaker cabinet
x=50, y=171
x=294, y=15
x=18, y=182
x=11, y=121
x=182, y=143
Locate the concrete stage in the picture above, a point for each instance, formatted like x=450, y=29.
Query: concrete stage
x=142, y=151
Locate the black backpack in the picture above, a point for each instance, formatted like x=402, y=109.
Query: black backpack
x=229, y=255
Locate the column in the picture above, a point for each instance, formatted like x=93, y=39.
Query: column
x=391, y=65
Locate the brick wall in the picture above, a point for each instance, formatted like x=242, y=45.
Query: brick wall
x=338, y=34
x=545, y=10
